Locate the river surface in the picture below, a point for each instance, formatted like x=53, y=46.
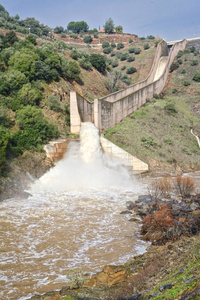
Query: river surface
x=72, y=220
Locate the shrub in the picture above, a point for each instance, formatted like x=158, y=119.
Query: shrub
x=74, y=70
x=196, y=52
x=160, y=187
x=150, y=37
x=113, y=44
x=194, y=62
x=186, y=83
x=29, y=95
x=170, y=108
x=105, y=44
x=34, y=130
x=156, y=96
x=123, y=68
x=115, y=63
x=124, y=56
x=148, y=142
x=131, y=50
x=126, y=79
x=120, y=45
x=183, y=185
x=31, y=39
x=112, y=53
x=98, y=62
x=174, y=66
x=73, y=35
x=196, y=76
x=137, y=51
x=174, y=91
x=131, y=70
x=87, y=39
x=183, y=71
x=180, y=61
x=142, y=38
x=180, y=53
x=131, y=58
x=130, y=41
x=4, y=143
x=146, y=46
x=75, y=54
x=54, y=103
x=85, y=63
x=107, y=50
x=63, y=35
x=192, y=49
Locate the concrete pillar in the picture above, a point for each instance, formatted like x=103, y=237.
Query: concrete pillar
x=96, y=113
x=75, y=120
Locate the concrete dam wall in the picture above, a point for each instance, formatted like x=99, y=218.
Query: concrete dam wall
x=108, y=111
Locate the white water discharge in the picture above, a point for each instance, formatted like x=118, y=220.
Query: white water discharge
x=72, y=220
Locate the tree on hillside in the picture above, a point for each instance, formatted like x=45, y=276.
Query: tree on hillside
x=109, y=26
x=77, y=27
x=119, y=29
x=58, y=29
x=98, y=61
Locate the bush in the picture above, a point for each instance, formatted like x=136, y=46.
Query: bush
x=194, y=62
x=120, y=45
x=174, y=91
x=131, y=50
x=130, y=41
x=63, y=35
x=137, y=51
x=31, y=39
x=34, y=130
x=146, y=46
x=196, y=52
x=112, y=53
x=74, y=70
x=156, y=96
x=29, y=95
x=4, y=143
x=87, y=39
x=170, y=108
x=186, y=83
x=124, y=56
x=126, y=79
x=123, y=68
x=113, y=44
x=85, y=63
x=107, y=50
x=183, y=185
x=196, y=76
x=180, y=53
x=98, y=61
x=183, y=71
x=192, y=49
x=96, y=35
x=115, y=63
x=131, y=58
x=105, y=44
x=131, y=70
x=180, y=61
x=174, y=66
x=54, y=103
x=160, y=187
x=150, y=37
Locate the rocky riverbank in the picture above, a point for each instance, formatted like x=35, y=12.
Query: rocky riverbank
x=168, y=270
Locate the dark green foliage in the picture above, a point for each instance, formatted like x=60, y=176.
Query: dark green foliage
x=34, y=130
x=11, y=81
x=77, y=27
x=123, y=68
x=146, y=46
x=4, y=142
x=130, y=41
x=142, y=38
x=9, y=39
x=74, y=70
x=170, y=108
x=131, y=70
x=98, y=61
x=109, y=26
x=192, y=49
x=112, y=53
x=194, y=62
x=148, y=142
x=63, y=35
x=180, y=61
x=196, y=52
x=115, y=63
x=54, y=103
x=174, y=91
x=180, y=53
x=183, y=71
x=31, y=39
x=29, y=95
x=150, y=37
x=137, y=51
x=186, y=83
x=113, y=44
x=73, y=35
x=131, y=58
x=119, y=29
x=124, y=56
x=174, y=66
x=196, y=76
x=85, y=63
x=58, y=29
x=120, y=45
x=87, y=39
x=105, y=44
x=42, y=71
x=107, y=50
x=126, y=79
x=4, y=117
x=156, y=96
x=131, y=50
x=96, y=35
x=75, y=54
x=6, y=54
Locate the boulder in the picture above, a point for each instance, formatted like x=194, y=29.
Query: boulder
x=130, y=205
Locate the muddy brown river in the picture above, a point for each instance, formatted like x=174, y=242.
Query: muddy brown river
x=71, y=221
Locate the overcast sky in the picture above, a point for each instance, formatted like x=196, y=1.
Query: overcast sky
x=170, y=19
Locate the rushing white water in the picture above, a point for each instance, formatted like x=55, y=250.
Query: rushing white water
x=72, y=220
